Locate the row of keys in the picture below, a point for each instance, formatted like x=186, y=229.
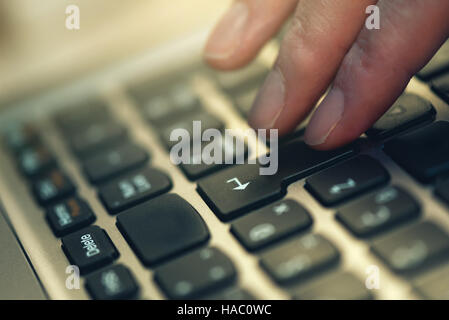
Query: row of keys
x=100, y=142
x=52, y=188
x=158, y=230
x=49, y=184
x=110, y=160
x=69, y=216
x=118, y=167
x=174, y=105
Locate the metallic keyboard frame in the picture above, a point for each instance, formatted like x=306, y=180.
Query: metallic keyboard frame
x=44, y=249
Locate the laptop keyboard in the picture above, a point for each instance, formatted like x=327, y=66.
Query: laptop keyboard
x=169, y=236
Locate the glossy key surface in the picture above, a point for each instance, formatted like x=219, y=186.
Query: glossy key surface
x=195, y=274
x=162, y=228
x=114, y=161
x=409, y=110
x=133, y=188
x=347, y=180
x=89, y=249
x=413, y=247
x=299, y=258
x=272, y=223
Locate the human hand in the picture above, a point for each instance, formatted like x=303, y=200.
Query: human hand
x=328, y=44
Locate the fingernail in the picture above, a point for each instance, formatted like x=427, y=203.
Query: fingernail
x=326, y=118
x=226, y=37
x=269, y=102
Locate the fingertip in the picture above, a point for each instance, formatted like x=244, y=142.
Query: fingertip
x=226, y=38
x=226, y=64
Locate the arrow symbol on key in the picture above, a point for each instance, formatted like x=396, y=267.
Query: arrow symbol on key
x=240, y=186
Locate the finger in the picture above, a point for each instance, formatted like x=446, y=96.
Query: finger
x=378, y=68
x=244, y=29
x=321, y=33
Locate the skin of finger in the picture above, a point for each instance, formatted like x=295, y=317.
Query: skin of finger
x=265, y=18
x=381, y=63
x=321, y=33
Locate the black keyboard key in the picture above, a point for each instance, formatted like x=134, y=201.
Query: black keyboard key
x=78, y=118
x=441, y=87
x=299, y=258
x=270, y=224
x=112, y=283
x=230, y=154
x=162, y=228
x=338, y=286
x=413, y=247
x=347, y=180
x=408, y=111
x=378, y=212
x=69, y=215
x=424, y=153
x=434, y=285
x=242, y=188
x=89, y=249
x=195, y=274
x=114, y=161
x=133, y=188
x=167, y=106
x=52, y=186
x=35, y=161
x=21, y=136
x=97, y=136
x=193, y=124
x=438, y=65
x=442, y=191
x=234, y=293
